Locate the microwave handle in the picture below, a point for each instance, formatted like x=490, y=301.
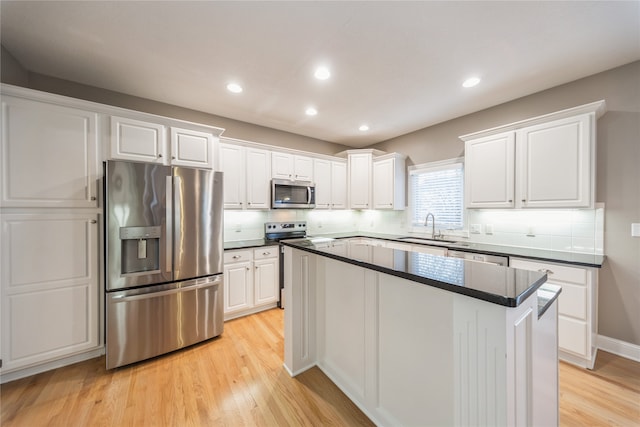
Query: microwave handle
x=308, y=195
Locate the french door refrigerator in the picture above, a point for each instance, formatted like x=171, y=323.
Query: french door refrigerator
x=164, y=259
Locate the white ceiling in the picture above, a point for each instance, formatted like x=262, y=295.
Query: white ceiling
x=397, y=66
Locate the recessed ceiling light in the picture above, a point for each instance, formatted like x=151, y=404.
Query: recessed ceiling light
x=311, y=111
x=322, y=73
x=234, y=87
x=363, y=128
x=471, y=82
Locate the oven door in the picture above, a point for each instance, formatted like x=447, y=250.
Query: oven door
x=292, y=194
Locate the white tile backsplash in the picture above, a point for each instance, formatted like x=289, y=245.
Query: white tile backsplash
x=571, y=230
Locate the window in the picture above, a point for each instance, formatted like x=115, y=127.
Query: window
x=437, y=188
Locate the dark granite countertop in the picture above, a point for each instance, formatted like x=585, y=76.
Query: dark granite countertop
x=586, y=260
x=574, y=258
x=496, y=284
x=246, y=244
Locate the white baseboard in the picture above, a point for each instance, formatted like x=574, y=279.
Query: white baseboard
x=621, y=348
x=6, y=377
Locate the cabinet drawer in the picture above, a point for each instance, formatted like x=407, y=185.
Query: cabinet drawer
x=237, y=256
x=556, y=272
x=573, y=300
x=266, y=252
x=572, y=335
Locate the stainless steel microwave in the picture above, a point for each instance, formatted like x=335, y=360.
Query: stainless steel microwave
x=292, y=194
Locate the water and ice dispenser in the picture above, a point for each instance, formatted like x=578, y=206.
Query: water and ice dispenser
x=140, y=249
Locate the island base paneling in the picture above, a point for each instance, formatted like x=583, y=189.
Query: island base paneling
x=411, y=354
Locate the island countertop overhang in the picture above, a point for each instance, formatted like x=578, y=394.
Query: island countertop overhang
x=500, y=285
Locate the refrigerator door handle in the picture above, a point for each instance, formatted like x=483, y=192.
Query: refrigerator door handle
x=169, y=225
x=177, y=212
x=123, y=298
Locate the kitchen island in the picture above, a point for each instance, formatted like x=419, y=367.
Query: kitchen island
x=423, y=339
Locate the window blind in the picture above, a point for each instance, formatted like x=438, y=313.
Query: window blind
x=438, y=190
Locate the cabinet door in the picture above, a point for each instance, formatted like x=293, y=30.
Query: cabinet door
x=383, y=183
x=281, y=165
x=258, y=182
x=489, y=176
x=555, y=164
x=191, y=148
x=49, y=276
x=233, y=167
x=138, y=141
x=49, y=155
x=238, y=287
x=302, y=168
x=265, y=283
x=360, y=181
x=338, y=185
x=322, y=177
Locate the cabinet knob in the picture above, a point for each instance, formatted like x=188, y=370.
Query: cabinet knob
x=510, y=200
x=248, y=269
x=173, y=157
x=93, y=198
x=93, y=221
x=159, y=155
x=266, y=253
x=524, y=200
x=237, y=256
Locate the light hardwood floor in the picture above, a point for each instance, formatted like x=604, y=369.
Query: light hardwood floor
x=238, y=380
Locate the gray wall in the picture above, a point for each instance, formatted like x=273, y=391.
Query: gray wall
x=618, y=176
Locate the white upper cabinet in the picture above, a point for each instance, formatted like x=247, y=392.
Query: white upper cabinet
x=49, y=155
x=556, y=163
x=389, y=182
x=246, y=177
x=144, y=141
x=258, y=182
x=360, y=165
x=291, y=166
x=330, y=177
x=545, y=162
x=490, y=171
x=192, y=148
x=232, y=158
x=138, y=141
x=322, y=179
x=339, y=184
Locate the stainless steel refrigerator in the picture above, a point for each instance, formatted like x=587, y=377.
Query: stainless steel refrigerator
x=164, y=259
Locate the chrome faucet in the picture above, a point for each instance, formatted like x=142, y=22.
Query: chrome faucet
x=433, y=224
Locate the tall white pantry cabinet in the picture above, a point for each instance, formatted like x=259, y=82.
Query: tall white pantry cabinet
x=51, y=220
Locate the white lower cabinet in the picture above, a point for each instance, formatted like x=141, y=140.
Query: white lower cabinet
x=577, y=308
x=250, y=281
x=50, y=300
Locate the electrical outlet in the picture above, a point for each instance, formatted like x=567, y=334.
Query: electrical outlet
x=488, y=228
x=476, y=228
x=319, y=225
x=635, y=229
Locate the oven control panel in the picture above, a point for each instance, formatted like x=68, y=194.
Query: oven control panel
x=285, y=230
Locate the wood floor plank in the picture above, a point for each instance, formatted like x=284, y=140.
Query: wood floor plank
x=238, y=380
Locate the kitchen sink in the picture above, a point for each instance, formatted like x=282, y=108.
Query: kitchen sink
x=426, y=241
